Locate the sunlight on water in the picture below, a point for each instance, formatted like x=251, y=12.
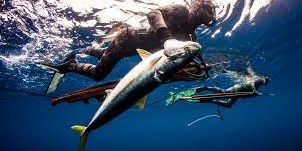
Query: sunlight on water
x=250, y=10
x=54, y=27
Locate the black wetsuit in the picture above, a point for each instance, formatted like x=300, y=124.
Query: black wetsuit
x=172, y=21
x=248, y=86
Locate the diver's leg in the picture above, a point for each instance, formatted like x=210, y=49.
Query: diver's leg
x=213, y=89
x=92, y=51
x=102, y=68
x=227, y=103
x=86, y=69
x=122, y=46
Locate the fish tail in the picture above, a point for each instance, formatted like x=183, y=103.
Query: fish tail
x=83, y=136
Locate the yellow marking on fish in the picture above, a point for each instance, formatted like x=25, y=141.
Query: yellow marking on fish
x=141, y=103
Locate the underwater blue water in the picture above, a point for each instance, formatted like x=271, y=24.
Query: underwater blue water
x=273, y=47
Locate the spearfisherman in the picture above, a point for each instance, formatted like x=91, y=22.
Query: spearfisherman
x=222, y=97
x=167, y=23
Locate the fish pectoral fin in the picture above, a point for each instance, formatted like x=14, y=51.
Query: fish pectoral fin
x=83, y=137
x=143, y=53
x=141, y=103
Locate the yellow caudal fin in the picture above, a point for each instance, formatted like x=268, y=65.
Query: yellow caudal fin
x=83, y=137
x=141, y=103
x=143, y=53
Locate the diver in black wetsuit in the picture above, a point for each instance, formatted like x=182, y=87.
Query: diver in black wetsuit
x=250, y=89
x=227, y=97
x=166, y=23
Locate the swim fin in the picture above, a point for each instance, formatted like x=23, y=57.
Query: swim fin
x=59, y=71
x=56, y=78
x=83, y=137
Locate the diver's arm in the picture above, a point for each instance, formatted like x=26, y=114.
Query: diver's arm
x=158, y=25
x=227, y=103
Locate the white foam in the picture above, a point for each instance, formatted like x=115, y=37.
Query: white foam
x=256, y=7
x=216, y=32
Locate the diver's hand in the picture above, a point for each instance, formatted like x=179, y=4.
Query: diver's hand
x=173, y=46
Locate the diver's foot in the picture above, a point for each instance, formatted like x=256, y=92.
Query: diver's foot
x=61, y=68
x=70, y=56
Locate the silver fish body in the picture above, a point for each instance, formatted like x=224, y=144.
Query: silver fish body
x=140, y=81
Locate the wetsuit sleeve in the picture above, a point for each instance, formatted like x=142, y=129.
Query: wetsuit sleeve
x=158, y=25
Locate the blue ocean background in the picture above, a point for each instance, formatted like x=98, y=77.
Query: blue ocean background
x=271, y=122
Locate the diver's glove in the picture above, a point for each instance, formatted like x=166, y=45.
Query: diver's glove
x=174, y=44
x=172, y=47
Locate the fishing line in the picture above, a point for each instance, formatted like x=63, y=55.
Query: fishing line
x=218, y=115
x=155, y=102
x=202, y=118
